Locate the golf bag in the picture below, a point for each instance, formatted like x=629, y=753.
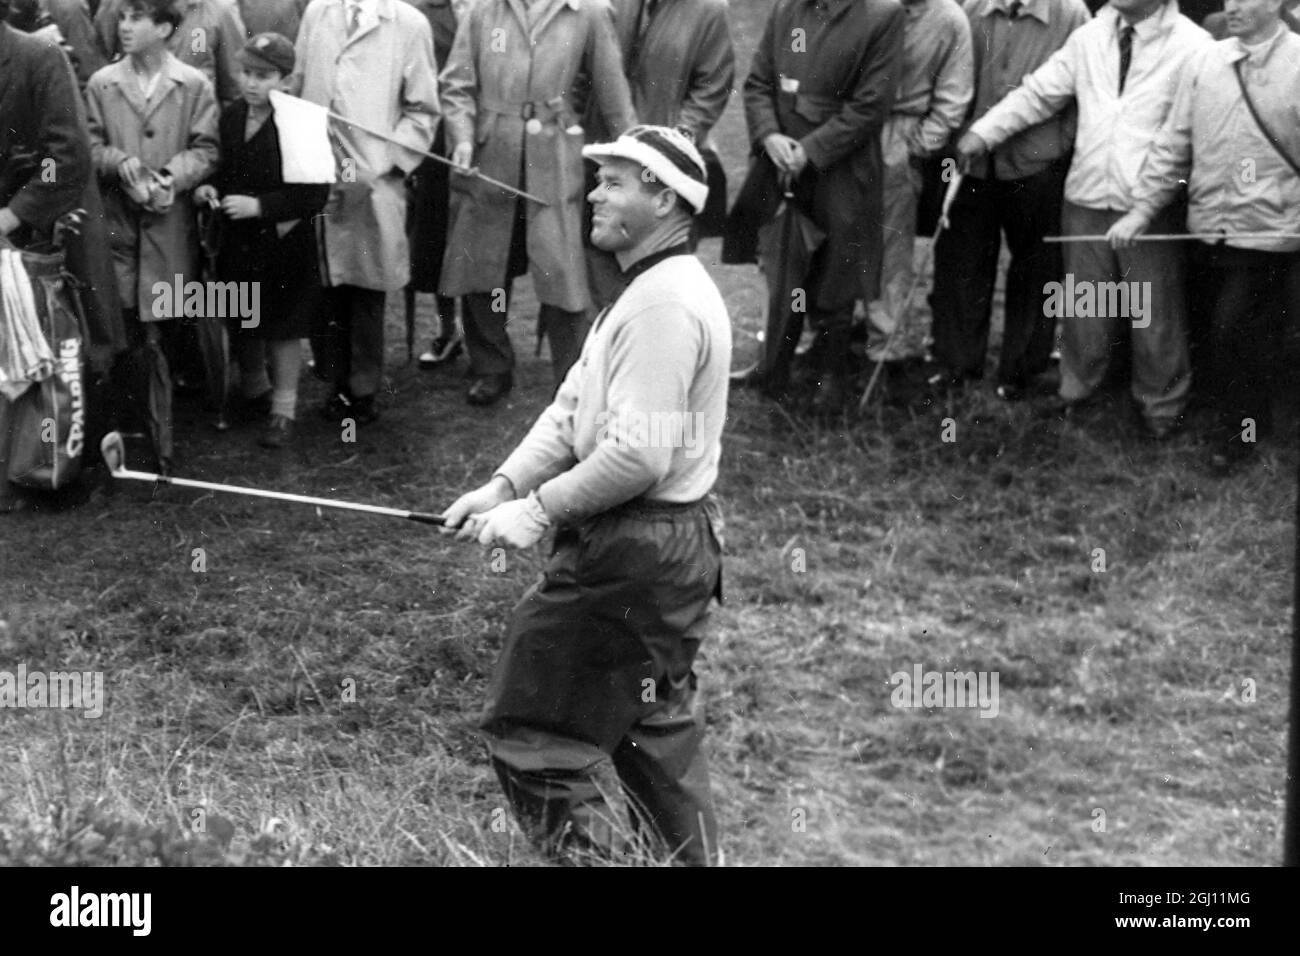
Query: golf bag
x=44, y=428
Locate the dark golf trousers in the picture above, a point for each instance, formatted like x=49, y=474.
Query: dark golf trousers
x=965, y=272
x=348, y=340
x=1243, y=300
x=597, y=664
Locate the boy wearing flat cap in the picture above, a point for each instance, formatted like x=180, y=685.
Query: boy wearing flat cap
x=268, y=238
x=598, y=659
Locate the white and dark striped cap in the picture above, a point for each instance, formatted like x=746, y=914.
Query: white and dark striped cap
x=667, y=153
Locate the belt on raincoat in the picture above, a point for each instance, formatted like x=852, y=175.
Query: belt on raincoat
x=540, y=110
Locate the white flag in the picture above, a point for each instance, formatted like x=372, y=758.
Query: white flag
x=305, y=152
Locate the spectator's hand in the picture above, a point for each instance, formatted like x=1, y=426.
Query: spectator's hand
x=476, y=502
x=207, y=195
x=970, y=147
x=516, y=524
x=241, y=207
x=780, y=149
x=8, y=221
x=131, y=172
x=162, y=192
x=798, y=159
x=462, y=156
x=1123, y=234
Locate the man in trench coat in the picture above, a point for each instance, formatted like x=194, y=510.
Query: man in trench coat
x=819, y=91
x=371, y=61
x=508, y=96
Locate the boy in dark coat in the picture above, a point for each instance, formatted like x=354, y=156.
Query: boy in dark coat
x=267, y=237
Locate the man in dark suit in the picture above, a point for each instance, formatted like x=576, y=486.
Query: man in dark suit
x=819, y=91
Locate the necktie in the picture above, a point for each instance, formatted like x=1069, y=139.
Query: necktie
x=1014, y=12
x=1125, y=53
x=354, y=17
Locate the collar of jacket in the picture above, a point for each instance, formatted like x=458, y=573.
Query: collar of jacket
x=1260, y=55
x=547, y=14
x=124, y=78
x=1161, y=21
x=1039, y=9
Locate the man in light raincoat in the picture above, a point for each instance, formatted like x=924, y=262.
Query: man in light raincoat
x=508, y=97
x=370, y=61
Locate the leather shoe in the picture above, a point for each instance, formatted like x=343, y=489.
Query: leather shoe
x=488, y=389
x=444, y=350
x=278, y=433
x=336, y=408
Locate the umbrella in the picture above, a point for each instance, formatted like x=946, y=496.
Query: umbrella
x=786, y=246
x=951, y=194
x=213, y=337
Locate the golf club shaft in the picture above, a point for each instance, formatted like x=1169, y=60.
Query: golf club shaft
x=278, y=496
x=441, y=159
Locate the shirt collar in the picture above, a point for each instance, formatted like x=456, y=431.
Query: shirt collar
x=1148, y=28
x=1030, y=8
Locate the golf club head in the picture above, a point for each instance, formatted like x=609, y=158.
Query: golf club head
x=114, y=451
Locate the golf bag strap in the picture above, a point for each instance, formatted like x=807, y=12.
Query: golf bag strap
x=1259, y=121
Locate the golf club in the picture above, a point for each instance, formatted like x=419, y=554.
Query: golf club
x=950, y=194
x=114, y=451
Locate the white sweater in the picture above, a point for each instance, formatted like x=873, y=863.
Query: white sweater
x=641, y=412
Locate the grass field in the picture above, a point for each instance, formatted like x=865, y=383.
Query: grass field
x=1141, y=714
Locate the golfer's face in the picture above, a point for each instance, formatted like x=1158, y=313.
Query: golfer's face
x=622, y=209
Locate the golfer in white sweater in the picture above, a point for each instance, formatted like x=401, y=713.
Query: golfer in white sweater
x=597, y=660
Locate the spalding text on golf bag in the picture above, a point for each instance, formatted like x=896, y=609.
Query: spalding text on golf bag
x=47, y=432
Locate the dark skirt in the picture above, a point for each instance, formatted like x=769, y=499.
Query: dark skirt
x=288, y=276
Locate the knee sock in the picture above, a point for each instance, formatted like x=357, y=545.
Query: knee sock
x=286, y=361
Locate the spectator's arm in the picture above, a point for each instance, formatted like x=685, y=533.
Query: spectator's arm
x=711, y=76
x=458, y=82
x=954, y=88
x=420, y=110
x=198, y=159
x=864, y=112
x=1045, y=92
x=608, y=79
x=55, y=188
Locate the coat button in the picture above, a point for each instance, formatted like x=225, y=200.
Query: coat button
x=148, y=134
x=533, y=126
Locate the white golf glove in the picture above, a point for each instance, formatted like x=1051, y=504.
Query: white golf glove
x=516, y=524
